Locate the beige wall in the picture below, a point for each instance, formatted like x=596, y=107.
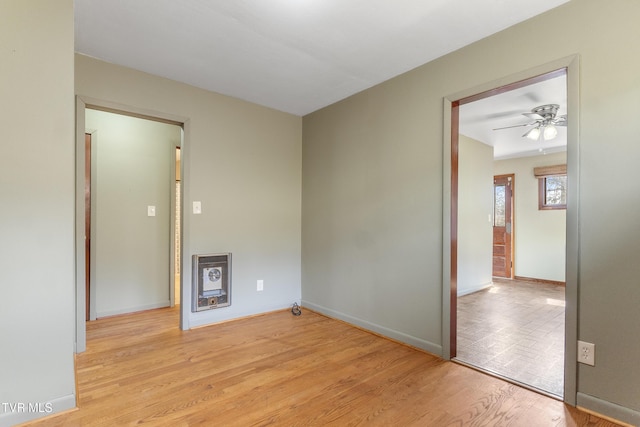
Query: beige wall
x=540, y=235
x=372, y=213
x=243, y=163
x=475, y=215
x=37, y=215
x=373, y=180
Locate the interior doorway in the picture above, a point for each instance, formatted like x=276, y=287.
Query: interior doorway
x=87, y=223
x=131, y=163
x=177, y=229
x=453, y=276
x=85, y=150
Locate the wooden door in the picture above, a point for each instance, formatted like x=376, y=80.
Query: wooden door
x=503, y=225
x=87, y=219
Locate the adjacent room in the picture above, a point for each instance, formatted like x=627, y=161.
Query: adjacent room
x=512, y=233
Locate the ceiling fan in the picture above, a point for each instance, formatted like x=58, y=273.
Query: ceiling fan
x=544, y=122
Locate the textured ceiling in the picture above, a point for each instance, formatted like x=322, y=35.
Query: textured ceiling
x=296, y=56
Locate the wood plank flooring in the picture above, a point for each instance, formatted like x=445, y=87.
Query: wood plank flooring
x=282, y=370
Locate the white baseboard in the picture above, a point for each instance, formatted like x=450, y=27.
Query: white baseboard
x=21, y=412
x=133, y=309
x=382, y=330
x=215, y=316
x=462, y=292
x=609, y=410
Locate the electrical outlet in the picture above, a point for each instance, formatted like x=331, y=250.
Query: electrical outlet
x=587, y=353
x=260, y=285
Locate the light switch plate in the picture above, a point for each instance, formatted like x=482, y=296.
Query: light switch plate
x=197, y=208
x=151, y=211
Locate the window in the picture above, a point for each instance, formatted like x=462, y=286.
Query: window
x=552, y=187
x=552, y=192
x=499, y=205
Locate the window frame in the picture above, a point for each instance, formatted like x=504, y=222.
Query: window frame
x=542, y=195
x=542, y=173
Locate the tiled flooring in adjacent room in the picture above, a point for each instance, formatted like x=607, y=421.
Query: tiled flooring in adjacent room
x=515, y=328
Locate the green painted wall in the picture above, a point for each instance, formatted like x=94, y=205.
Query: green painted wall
x=37, y=314
x=243, y=163
x=373, y=180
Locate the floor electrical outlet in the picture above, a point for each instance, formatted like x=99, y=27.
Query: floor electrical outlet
x=587, y=353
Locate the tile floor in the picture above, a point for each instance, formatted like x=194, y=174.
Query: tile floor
x=515, y=329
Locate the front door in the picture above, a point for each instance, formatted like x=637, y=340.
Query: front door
x=502, y=225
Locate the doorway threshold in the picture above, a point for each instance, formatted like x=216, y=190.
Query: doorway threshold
x=507, y=379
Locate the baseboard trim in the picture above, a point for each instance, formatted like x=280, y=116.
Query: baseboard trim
x=607, y=410
x=233, y=319
x=392, y=334
x=533, y=279
x=216, y=316
x=30, y=411
x=128, y=310
x=473, y=290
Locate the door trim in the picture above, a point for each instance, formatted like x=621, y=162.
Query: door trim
x=88, y=167
x=83, y=102
x=92, y=249
x=449, y=241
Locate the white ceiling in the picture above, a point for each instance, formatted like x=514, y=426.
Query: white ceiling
x=296, y=56
x=479, y=118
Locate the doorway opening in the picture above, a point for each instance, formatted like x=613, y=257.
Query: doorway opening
x=457, y=345
x=177, y=232
x=131, y=213
x=129, y=225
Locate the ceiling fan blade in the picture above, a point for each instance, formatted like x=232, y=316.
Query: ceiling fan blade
x=516, y=126
x=560, y=120
x=501, y=115
x=533, y=116
x=532, y=96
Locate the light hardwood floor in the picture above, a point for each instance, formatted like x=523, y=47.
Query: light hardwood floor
x=278, y=369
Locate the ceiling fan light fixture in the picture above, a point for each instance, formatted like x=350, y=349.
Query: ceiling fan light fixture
x=544, y=123
x=533, y=133
x=550, y=132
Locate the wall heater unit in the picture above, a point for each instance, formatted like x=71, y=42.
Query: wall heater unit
x=211, y=280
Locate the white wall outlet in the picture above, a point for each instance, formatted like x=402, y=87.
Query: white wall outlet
x=151, y=211
x=587, y=353
x=260, y=285
x=197, y=208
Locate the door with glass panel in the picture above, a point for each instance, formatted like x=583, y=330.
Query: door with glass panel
x=503, y=225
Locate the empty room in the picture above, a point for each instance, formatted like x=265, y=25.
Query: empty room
x=329, y=214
